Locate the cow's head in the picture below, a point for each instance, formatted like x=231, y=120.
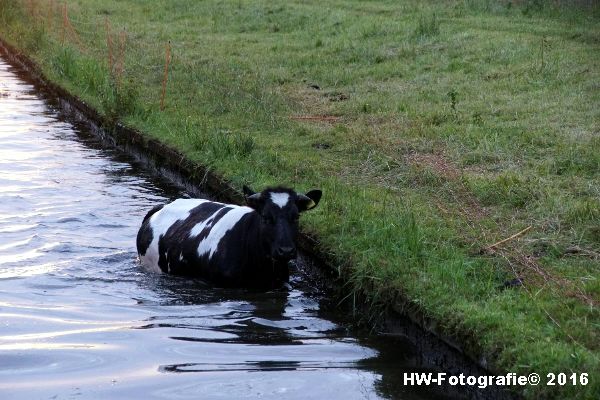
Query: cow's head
x=279, y=209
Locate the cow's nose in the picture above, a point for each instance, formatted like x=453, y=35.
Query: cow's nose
x=286, y=252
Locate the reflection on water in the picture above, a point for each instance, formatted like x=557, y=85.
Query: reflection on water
x=79, y=319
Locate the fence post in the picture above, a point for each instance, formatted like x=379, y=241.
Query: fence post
x=120, y=64
x=64, y=25
x=109, y=45
x=50, y=15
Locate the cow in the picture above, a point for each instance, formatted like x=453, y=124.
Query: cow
x=226, y=244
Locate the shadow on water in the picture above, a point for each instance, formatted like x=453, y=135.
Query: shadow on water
x=286, y=317
x=79, y=318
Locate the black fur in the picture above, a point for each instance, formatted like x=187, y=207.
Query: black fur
x=144, y=237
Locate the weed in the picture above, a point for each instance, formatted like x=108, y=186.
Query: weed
x=64, y=63
x=576, y=158
x=532, y=6
x=585, y=210
x=118, y=100
x=35, y=40
x=544, y=48
x=224, y=143
x=90, y=75
x=11, y=11
x=428, y=26
x=477, y=118
x=453, y=96
x=425, y=176
x=508, y=188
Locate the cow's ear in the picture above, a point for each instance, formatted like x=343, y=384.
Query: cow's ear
x=254, y=200
x=309, y=200
x=247, y=191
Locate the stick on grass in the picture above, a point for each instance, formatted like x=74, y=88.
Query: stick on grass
x=493, y=246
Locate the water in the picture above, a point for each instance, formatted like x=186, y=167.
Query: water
x=80, y=319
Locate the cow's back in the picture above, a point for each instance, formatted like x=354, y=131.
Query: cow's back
x=193, y=237
x=155, y=225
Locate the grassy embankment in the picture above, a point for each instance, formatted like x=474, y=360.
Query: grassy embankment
x=434, y=129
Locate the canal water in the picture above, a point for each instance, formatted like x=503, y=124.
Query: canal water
x=79, y=319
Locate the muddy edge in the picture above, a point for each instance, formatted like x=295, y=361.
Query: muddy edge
x=404, y=319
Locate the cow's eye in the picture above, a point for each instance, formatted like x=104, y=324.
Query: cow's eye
x=268, y=219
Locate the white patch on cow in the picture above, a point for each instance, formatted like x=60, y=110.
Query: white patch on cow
x=180, y=256
x=198, y=228
x=160, y=223
x=281, y=199
x=210, y=244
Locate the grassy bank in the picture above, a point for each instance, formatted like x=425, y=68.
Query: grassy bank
x=435, y=129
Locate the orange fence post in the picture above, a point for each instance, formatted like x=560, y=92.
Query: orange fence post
x=73, y=33
x=50, y=15
x=109, y=44
x=120, y=64
x=64, y=26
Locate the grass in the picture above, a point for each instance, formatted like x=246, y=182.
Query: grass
x=435, y=130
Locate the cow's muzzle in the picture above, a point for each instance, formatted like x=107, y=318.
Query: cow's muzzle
x=285, y=253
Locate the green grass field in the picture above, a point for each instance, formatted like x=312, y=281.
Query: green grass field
x=435, y=129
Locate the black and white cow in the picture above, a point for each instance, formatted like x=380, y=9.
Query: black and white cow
x=228, y=245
